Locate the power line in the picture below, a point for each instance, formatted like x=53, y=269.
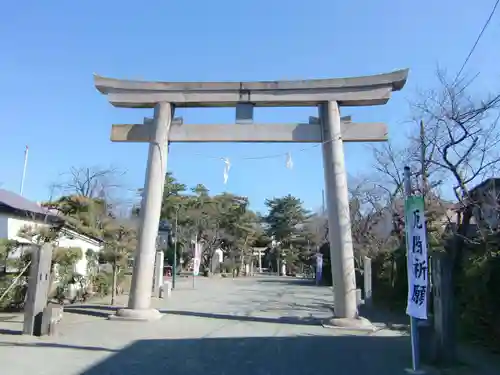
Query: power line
x=492, y=13
x=280, y=155
x=270, y=156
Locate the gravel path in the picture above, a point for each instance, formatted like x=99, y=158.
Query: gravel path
x=246, y=326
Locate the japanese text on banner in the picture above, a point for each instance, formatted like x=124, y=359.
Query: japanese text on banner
x=416, y=244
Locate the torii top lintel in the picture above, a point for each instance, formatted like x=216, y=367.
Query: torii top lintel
x=352, y=91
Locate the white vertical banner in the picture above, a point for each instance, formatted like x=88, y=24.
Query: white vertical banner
x=197, y=258
x=416, y=245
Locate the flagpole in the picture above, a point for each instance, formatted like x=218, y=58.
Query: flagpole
x=414, y=338
x=24, y=170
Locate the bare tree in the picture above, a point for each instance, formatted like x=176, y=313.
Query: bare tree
x=371, y=219
x=98, y=183
x=317, y=228
x=455, y=148
x=389, y=163
x=462, y=130
x=91, y=182
x=462, y=133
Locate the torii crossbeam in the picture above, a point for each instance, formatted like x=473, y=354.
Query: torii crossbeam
x=293, y=132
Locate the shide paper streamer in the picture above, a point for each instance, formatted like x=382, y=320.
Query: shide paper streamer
x=289, y=161
x=227, y=167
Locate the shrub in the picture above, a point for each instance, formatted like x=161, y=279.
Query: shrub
x=103, y=282
x=476, y=290
x=479, y=300
x=125, y=281
x=15, y=296
x=227, y=266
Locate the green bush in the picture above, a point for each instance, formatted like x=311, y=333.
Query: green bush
x=479, y=300
x=390, y=279
x=103, y=282
x=124, y=282
x=15, y=297
x=476, y=290
x=227, y=266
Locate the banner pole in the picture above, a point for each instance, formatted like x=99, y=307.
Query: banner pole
x=415, y=355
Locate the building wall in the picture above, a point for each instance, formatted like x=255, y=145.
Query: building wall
x=11, y=226
x=487, y=210
x=4, y=226
x=491, y=214
x=73, y=239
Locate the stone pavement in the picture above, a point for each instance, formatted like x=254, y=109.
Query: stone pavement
x=261, y=325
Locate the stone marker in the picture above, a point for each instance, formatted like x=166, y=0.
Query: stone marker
x=158, y=274
x=359, y=299
x=166, y=290
x=38, y=289
x=52, y=316
x=367, y=278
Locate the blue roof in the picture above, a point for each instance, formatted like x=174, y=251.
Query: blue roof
x=17, y=202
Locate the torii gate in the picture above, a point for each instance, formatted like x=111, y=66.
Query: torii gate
x=329, y=128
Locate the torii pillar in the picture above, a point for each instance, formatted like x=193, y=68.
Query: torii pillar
x=339, y=218
x=331, y=130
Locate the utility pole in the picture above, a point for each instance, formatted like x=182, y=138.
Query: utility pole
x=422, y=158
x=174, y=268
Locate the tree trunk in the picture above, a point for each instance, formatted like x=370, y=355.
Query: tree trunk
x=113, y=289
x=52, y=281
x=393, y=271
x=459, y=245
x=233, y=261
x=457, y=272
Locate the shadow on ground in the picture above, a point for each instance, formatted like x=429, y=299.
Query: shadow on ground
x=287, y=281
x=381, y=318
x=14, y=332
x=58, y=346
x=92, y=310
x=92, y=306
x=388, y=319
x=339, y=355
x=98, y=311
x=309, y=321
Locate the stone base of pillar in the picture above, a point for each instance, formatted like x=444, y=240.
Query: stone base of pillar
x=415, y=372
x=147, y=315
x=350, y=324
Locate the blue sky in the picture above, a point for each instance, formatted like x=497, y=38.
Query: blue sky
x=49, y=50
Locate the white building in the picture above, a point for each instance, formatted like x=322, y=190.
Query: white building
x=17, y=213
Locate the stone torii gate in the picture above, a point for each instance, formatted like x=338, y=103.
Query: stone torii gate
x=330, y=129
